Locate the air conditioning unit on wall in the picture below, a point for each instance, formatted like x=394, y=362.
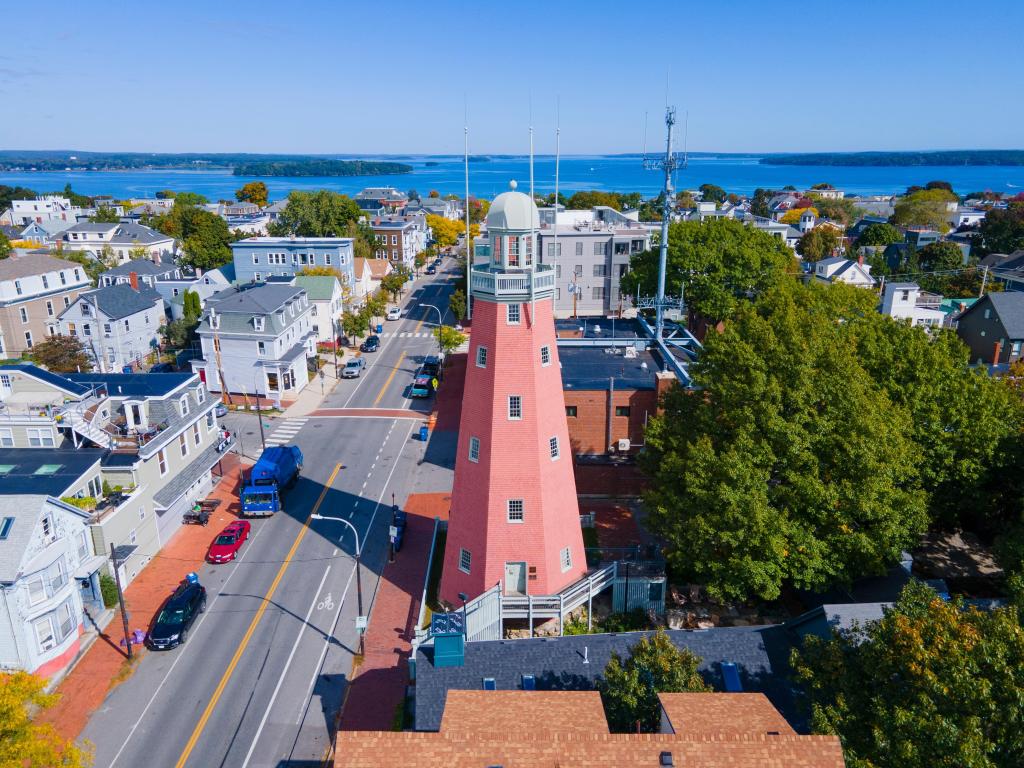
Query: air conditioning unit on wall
x=623, y=444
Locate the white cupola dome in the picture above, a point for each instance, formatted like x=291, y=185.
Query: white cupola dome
x=513, y=211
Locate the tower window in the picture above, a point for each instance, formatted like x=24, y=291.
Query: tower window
x=465, y=560
x=513, y=315
x=566, y=559
x=474, y=449
x=515, y=510
x=515, y=406
x=571, y=411
x=481, y=357
x=553, y=448
x=545, y=355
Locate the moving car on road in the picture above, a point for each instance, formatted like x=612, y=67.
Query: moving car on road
x=225, y=547
x=372, y=344
x=176, y=616
x=432, y=269
x=395, y=313
x=353, y=368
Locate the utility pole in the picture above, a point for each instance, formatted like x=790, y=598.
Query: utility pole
x=120, y=600
x=215, y=324
x=984, y=279
x=259, y=416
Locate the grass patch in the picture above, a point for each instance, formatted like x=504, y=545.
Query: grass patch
x=127, y=669
x=590, y=538
x=434, y=579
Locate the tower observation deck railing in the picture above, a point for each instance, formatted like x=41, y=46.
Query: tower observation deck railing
x=501, y=283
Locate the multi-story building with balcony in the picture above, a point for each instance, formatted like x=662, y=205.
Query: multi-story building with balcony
x=258, y=258
x=137, y=449
x=124, y=240
x=45, y=208
x=34, y=289
x=257, y=340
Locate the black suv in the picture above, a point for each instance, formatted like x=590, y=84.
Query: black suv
x=172, y=623
x=431, y=366
x=372, y=344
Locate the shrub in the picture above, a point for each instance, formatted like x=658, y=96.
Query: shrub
x=108, y=588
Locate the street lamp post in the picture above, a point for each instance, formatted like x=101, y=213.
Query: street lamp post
x=440, y=322
x=359, y=580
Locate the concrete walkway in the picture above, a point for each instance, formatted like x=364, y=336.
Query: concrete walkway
x=378, y=689
x=105, y=663
x=311, y=397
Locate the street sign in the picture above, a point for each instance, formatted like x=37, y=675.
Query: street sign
x=361, y=623
x=321, y=373
x=393, y=532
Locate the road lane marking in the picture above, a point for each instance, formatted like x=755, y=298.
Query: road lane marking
x=219, y=691
x=182, y=655
x=288, y=663
x=387, y=383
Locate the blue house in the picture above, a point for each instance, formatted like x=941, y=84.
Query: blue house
x=257, y=258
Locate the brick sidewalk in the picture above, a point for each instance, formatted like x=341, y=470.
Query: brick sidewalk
x=378, y=688
x=448, y=403
x=104, y=663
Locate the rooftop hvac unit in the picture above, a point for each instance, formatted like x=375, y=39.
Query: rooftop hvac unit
x=623, y=444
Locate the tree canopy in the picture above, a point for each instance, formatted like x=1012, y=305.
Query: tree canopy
x=818, y=243
x=589, y=198
x=718, y=264
x=1002, y=229
x=5, y=247
x=9, y=194
x=25, y=743
x=63, y=354
x=204, y=236
x=792, y=216
x=925, y=207
x=105, y=214
x=446, y=231
x=629, y=688
x=879, y=234
x=255, y=192
x=933, y=683
x=317, y=214
x=712, y=192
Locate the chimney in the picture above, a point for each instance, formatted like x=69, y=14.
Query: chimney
x=156, y=258
x=133, y=280
x=995, y=356
x=860, y=259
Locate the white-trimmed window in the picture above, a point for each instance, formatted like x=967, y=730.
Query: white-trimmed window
x=565, y=557
x=255, y=259
x=261, y=348
x=36, y=589
x=24, y=314
x=195, y=434
x=161, y=459
x=513, y=313
x=40, y=437
x=515, y=406
x=474, y=449
x=481, y=357
x=210, y=422
x=258, y=323
x=142, y=513
x=183, y=405
x=465, y=560
x=514, y=510
x=553, y=448
x=183, y=444
x=200, y=394
x=6, y=438
x=44, y=633
x=545, y=355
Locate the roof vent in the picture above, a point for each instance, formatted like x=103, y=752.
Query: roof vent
x=665, y=758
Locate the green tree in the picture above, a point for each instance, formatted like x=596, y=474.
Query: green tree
x=9, y=194
x=204, y=236
x=377, y=304
x=457, y=304
x=63, y=354
x=792, y=465
x=255, y=192
x=166, y=194
x=712, y=192
x=879, y=234
x=1002, y=230
x=25, y=742
x=179, y=334
x=589, y=198
x=5, y=247
x=193, y=307
x=446, y=231
x=394, y=282
x=841, y=211
x=321, y=213
x=629, y=688
x=448, y=339
x=718, y=264
x=190, y=198
x=933, y=683
x=82, y=201
x=759, y=203
x=819, y=243
x=420, y=259
x=926, y=207
x=105, y=214
x=355, y=324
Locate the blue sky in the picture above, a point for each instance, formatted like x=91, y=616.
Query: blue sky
x=389, y=77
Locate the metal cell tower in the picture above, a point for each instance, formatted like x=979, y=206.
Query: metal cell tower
x=670, y=163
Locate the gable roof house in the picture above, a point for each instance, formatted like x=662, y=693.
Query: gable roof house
x=368, y=275
x=146, y=272
x=838, y=269
x=125, y=239
x=34, y=288
x=326, y=303
x=993, y=328
x=257, y=339
x=119, y=324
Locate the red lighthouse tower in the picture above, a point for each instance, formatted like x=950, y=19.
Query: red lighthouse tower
x=514, y=514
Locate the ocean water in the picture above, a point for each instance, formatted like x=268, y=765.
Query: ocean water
x=741, y=175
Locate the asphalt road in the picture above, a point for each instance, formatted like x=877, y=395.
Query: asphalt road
x=263, y=673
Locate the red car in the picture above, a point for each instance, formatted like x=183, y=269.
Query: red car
x=225, y=547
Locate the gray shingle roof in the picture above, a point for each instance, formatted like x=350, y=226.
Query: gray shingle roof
x=32, y=264
x=140, y=267
x=25, y=510
x=1009, y=305
x=121, y=300
x=760, y=653
x=180, y=482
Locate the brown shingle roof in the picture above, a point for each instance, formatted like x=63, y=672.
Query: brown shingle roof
x=554, y=729
x=724, y=713
x=29, y=264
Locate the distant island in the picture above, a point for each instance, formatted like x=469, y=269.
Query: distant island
x=878, y=159
x=321, y=168
x=479, y=159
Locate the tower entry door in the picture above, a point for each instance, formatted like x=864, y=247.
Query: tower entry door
x=515, y=578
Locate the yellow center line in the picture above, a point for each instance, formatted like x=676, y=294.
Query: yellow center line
x=388, y=382
x=201, y=725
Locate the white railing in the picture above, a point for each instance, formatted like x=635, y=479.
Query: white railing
x=514, y=283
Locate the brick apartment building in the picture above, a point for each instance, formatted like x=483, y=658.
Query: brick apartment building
x=399, y=239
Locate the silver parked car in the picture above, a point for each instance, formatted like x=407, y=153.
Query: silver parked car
x=353, y=368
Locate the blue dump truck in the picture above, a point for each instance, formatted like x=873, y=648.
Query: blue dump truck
x=277, y=468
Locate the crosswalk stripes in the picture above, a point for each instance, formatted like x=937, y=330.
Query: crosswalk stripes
x=286, y=431
x=406, y=335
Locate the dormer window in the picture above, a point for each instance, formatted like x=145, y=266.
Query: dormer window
x=258, y=323
x=183, y=405
x=280, y=316
x=214, y=320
